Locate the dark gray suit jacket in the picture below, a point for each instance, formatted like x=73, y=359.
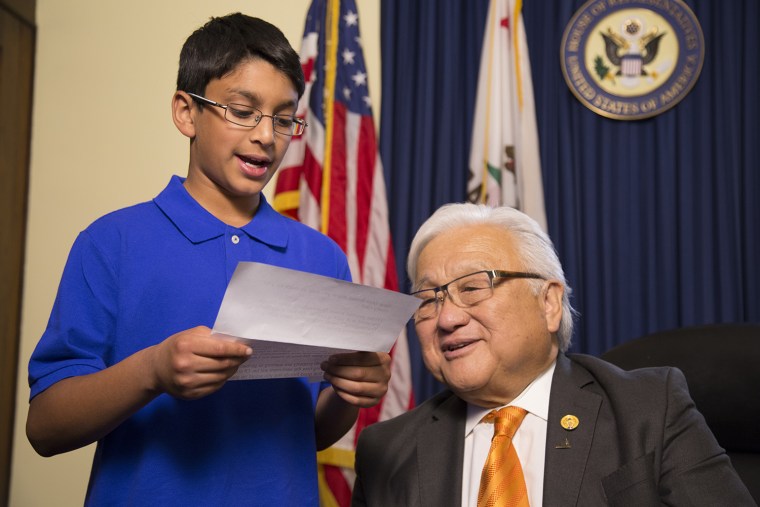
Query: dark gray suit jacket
x=640, y=442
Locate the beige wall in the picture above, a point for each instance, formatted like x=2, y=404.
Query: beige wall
x=102, y=138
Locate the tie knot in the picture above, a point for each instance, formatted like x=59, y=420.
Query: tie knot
x=506, y=420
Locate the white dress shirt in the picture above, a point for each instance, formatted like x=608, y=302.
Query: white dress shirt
x=529, y=441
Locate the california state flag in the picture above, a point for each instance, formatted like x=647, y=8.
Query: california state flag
x=505, y=165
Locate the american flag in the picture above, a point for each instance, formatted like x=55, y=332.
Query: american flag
x=332, y=179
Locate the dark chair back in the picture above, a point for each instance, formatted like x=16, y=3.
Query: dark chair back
x=721, y=364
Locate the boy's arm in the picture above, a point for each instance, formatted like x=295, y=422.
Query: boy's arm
x=77, y=411
x=359, y=380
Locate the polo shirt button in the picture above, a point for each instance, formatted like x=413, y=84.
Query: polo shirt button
x=235, y=239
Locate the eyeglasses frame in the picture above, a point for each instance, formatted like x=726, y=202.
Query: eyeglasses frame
x=210, y=102
x=442, y=291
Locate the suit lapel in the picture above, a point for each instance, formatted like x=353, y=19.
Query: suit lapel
x=440, y=451
x=567, y=451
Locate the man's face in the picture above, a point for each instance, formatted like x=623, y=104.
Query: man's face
x=488, y=353
x=233, y=163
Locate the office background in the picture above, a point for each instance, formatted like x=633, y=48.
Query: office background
x=655, y=220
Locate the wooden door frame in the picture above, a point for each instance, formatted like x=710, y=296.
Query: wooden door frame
x=17, y=48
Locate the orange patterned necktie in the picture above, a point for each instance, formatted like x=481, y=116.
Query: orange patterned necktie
x=502, y=483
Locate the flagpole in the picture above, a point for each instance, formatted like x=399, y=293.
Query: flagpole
x=331, y=62
x=515, y=25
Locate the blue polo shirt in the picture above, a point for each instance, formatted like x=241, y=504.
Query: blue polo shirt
x=135, y=277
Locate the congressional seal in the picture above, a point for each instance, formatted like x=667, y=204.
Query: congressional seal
x=630, y=60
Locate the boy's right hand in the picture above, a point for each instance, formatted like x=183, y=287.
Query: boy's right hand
x=192, y=364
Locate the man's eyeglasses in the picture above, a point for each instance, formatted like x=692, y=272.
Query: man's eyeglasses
x=247, y=116
x=465, y=291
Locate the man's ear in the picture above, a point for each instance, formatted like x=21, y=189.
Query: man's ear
x=182, y=109
x=553, y=293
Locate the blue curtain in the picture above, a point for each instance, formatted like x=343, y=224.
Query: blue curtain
x=430, y=60
x=656, y=221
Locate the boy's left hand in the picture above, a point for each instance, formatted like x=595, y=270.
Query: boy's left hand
x=359, y=378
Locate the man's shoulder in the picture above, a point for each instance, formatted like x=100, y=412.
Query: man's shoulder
x=604, y=369
x=443, y=402
x=642, y=384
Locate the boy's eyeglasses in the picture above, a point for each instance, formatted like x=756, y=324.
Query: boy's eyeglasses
x=247, y=116
x=464, y=292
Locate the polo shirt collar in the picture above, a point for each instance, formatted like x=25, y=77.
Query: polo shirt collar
x=198, y=225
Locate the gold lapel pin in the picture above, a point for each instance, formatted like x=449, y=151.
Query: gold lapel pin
x=563, y=445
x=569, y=422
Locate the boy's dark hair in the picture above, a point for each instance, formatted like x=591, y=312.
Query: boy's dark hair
x=222, y=43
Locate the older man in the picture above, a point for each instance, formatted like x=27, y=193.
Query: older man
x=494, y=324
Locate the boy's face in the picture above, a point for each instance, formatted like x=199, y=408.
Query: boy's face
x=230, y=164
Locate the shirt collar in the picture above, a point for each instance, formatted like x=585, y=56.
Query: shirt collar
x=534, y=399
x=198, y=225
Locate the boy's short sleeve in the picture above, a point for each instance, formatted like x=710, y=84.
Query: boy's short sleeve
x=76, y=341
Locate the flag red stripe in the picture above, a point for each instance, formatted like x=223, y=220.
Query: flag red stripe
x=337, y=220
x=365, y=172
x=391, y=280
x=288, y=179
x=312, y=173
x=338, y=485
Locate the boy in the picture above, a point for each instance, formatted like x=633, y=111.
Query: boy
x=127, y=359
